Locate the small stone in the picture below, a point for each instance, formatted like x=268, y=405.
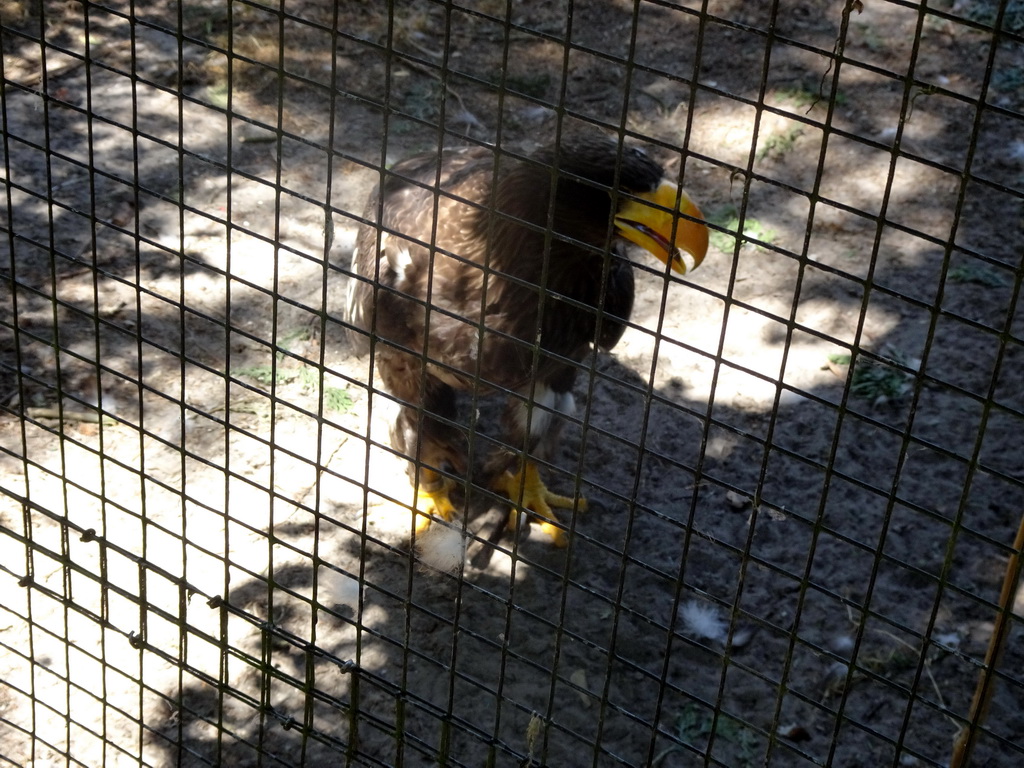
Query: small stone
x=735, y=501
x=794, y=732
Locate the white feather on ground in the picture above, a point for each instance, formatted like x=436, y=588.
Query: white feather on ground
x=442, y=548
x=703, y=620
x=338, y=589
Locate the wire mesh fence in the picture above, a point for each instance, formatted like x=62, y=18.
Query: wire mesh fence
x=802, y=462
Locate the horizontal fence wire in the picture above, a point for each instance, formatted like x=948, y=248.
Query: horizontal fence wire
x=793, y=477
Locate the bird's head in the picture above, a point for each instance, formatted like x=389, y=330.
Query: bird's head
x=651, y=210
x=667, y=223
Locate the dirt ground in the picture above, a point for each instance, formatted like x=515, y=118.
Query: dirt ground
x=787, y=561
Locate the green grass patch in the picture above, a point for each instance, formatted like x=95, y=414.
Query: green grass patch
x=695, y=725
x=778, y=144
x=728, y=218
x=337, y=399
x=265, y=374
x=877, y=381
x=972, y=273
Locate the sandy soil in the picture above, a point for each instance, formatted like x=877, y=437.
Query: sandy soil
x=784, y=562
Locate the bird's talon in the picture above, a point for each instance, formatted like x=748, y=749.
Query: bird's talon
x=526, y=490
x=558, y=537
x=435, y=503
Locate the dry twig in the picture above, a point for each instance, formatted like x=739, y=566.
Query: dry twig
x=986, y=677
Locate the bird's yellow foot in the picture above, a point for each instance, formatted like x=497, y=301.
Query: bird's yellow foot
x=526, y=490
x=433, y=501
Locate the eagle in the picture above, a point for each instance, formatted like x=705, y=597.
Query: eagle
x=499, y=273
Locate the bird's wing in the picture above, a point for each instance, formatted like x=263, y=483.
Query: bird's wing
x=423, y=279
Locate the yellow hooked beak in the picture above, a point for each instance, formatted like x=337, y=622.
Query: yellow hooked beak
x=652, y=228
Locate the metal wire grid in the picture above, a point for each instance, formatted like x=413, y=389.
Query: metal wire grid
x=148, y=621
